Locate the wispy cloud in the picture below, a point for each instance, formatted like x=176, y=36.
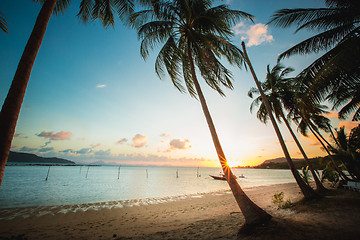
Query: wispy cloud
x=27, y=149
x=139, y=141
x=55, y=136
x=254, y=34
x=122, y=141
x=46, y=149
x=166, y=135
x=101, y=85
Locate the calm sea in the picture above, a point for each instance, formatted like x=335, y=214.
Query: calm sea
x=25, y=186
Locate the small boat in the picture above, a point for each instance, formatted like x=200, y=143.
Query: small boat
x=242, y=176
x=221, y=177
x=218, y=177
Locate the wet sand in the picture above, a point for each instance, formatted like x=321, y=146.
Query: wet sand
x=207, y=216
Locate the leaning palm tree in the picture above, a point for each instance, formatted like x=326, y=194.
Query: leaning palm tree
x=3, y=23
x=306, y=190
x=193, y=34
x=89, y=9
x=339, y=27
x=277, y=90
x=308, y=115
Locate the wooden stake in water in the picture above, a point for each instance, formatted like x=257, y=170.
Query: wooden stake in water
x=198, y=173
x=147, y=174
x=119, y=172
x=87, y=171
x=80, y=169
x=177, y=173
x=47, y=176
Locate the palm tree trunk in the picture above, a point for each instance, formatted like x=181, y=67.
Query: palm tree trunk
x=319, y=185
x=332, y=134
x=322, y=137
x=305, y=189
x=253, y=214
x=338, y=170
x=12, y=105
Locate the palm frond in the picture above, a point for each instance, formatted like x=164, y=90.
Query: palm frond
x=321, y=41
x=287, y=17
x=3, y=23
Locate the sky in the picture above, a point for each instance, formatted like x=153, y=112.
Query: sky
x=91, y=98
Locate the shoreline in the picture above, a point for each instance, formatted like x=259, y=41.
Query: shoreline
x=38, y=211
x=212, y=216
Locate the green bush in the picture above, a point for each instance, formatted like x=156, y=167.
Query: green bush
x=278, y=198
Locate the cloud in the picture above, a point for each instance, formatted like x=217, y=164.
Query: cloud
x=46, y=149
x=255, y=34
x=331, y=114
x=101, y=85
x=139, y=141
x=122, y=141
x=165, y=135
x=27, y=149
x=179, y=144
x=95, y=145
x=55, y=136
x=103, y=153
x=21, y=135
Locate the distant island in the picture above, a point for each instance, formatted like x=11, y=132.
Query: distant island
x=28, y=158
x=281, y=163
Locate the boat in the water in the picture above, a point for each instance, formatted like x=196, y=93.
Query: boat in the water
x=242, y=176
x=218, y=177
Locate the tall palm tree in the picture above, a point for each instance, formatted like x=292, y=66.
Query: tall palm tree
x=193, y=34
x=89, y=9
x=306, y=190
x=3, y=23
x=277, y=90
x=339, y=26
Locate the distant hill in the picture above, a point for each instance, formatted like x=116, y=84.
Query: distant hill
x=17, y=157
x=280, y=160
x=280, y=163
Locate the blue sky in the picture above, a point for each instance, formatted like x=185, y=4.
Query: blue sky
x=92, y=98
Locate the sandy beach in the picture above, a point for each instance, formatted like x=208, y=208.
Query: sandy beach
x=207, y=216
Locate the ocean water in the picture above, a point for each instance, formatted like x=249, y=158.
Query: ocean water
x=25, y=186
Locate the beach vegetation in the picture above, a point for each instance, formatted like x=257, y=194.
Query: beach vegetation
x=347, y=150
x=194, y=36
x=305, y=175
x=278, y=199
x=329, y=174
x=280, y=93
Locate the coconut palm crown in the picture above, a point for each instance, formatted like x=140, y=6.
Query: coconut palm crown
x=190, y=26
x=335, y=76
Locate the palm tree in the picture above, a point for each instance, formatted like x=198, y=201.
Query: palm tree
x=348, y=150
x=195, y=34
x=3, y=23
x=11, y=108
x=339, y=27
x=277, y=90
x=306, y=190
x=308, y=115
